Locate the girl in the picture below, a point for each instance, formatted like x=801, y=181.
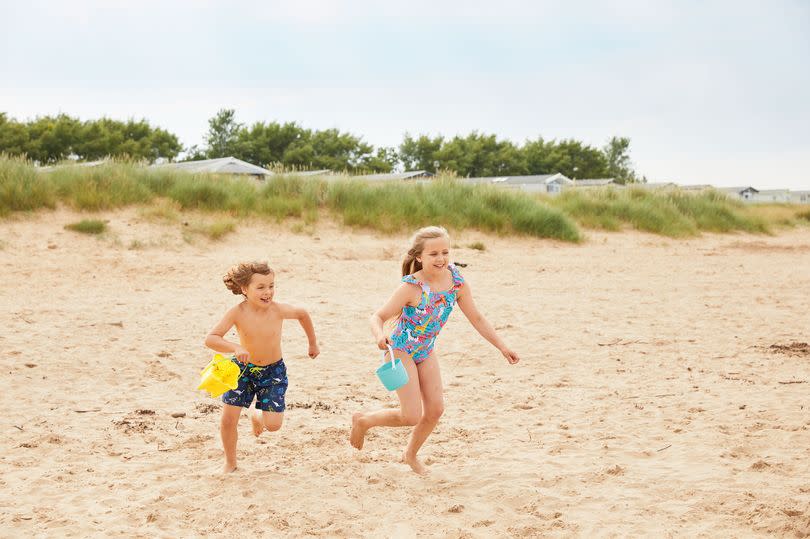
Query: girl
x=430, y=287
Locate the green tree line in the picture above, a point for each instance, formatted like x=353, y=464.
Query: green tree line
x=49, y=139
x=480, y=154
x=290, y=146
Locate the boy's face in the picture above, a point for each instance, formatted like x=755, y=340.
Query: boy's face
x=260, y=289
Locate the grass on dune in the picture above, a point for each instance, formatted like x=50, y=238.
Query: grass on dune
x=22, y=188
x=88, y=226
x=388, y=207
x=213, y=230
x=165, y=193
x=399, y=206
x=783, y=215
x=672, y=213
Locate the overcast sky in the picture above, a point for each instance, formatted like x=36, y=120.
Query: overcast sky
x=708, y=91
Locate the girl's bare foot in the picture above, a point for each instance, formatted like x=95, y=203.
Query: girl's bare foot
x=229, y=467
x=256, y=422
x=358, y=435
x=414, y=463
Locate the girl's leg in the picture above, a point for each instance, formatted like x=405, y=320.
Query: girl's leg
x=262, y=420
x=430, y=383
x=229, y=434
x=410, y=407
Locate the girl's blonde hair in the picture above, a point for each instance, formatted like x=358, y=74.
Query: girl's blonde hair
x=410, y=264
x=238, y=277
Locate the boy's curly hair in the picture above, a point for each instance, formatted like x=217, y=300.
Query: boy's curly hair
x=238, y=276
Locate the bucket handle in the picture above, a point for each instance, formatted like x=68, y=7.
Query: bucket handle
x=393, y=359
x=232, y=357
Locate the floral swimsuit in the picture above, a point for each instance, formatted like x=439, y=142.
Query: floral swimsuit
x=418, y=327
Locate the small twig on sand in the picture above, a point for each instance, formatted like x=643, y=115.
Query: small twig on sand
x=665, y=395
x=17, y=427
x=794, y=382
x=667, y=447
x=86, y=411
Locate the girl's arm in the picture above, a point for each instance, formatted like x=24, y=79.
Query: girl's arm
x=289, y=312
x=215, y=340
x=404, y=295
x=481, y=324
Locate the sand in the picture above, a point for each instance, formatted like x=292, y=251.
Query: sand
x=660, y=392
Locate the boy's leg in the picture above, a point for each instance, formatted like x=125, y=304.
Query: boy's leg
x=430, y=383
x=409, y=413
x=229, y=432
x=270, y=399
x=263, y=419
x=256, y=421
x=234, y=401
x=272, y=420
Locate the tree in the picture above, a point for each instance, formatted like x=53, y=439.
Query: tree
x=570, y=157
x=97, y=139
x=420, y=153
x=13, y=136
x=292, y=146
x=619, y=166
x=162, y=144
x=384, y=160
x=265, y=144
x=223, y=135
x=341, y=151
x=52, y=138
x=537, y=156
x=478, y=154
x=194, y=153
x=48, y=139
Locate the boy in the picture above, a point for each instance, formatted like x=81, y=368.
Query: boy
x=258, y=321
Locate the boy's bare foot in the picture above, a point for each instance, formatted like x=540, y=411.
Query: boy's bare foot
x=414, y=463
x=358, y=435
x=228, y=468
x=256, y=422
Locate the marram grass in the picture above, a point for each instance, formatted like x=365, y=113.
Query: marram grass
x=164, y=194
x=672, y=213
x=88, y=226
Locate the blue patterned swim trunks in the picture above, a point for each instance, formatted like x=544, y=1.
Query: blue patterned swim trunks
x=268, y=383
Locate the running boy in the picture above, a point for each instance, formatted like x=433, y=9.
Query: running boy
x=258, y=321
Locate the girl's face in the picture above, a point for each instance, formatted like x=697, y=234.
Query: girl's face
x=435, y=256
x=260, y=289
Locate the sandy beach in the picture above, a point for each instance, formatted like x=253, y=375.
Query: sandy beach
x=664, y=388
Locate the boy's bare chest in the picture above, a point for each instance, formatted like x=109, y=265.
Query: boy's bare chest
x=259, y=327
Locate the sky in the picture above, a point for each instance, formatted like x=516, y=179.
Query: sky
x=709, y=92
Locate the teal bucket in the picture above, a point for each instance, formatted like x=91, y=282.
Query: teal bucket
x=392, y=373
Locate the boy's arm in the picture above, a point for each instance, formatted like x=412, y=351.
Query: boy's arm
x=215, y=340
x=481, y=324
x=288, y=312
